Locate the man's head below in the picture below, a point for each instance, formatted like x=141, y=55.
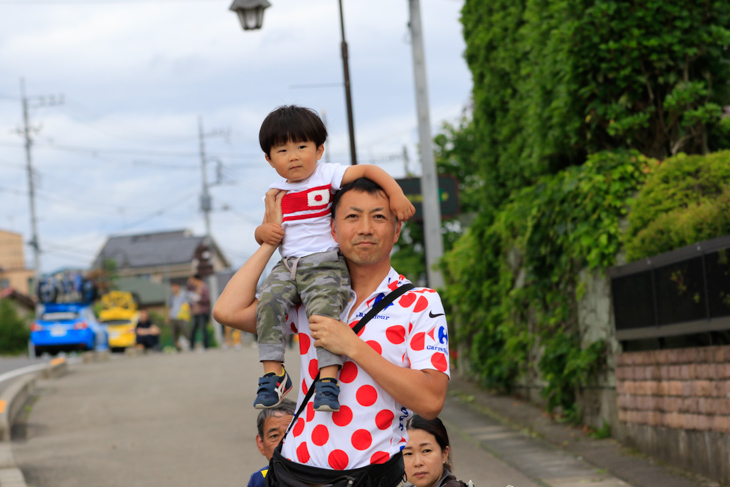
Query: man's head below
x=272, y=424
x=362, y=223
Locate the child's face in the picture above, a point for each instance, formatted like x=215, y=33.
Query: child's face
x=295, y=161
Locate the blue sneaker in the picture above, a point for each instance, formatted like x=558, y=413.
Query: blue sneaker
x=272, y=389
x=326, y=395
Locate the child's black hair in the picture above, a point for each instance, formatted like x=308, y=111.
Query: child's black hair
x=291, y=123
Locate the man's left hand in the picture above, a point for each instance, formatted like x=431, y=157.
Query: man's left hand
x=334, y=335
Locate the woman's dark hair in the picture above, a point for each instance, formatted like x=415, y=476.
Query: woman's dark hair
x=437, y=429
x=291, y=123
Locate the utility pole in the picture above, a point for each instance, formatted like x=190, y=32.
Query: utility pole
x=26, y=133
x=429, y=178
x=206, y=206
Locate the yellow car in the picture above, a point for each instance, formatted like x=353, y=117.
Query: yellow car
x=120, y=315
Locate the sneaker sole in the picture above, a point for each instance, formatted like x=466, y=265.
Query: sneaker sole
x=326, y=408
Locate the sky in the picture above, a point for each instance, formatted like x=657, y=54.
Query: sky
x=120, y=154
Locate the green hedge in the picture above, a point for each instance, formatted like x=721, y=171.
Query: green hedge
x=686, y=200
x=550, y=230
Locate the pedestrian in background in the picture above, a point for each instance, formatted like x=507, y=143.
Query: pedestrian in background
x=178, y=315
x=271, y=424
x=427, y=455
x=200, y=296
x=148, y=334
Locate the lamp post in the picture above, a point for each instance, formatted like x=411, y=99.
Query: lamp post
x=251, y=14
x=429, y=178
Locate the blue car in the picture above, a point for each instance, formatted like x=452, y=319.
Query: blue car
x=64, y=327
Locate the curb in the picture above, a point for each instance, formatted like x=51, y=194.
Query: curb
x=12, y=400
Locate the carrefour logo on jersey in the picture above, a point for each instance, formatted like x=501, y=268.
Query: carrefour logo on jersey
x=439, y=334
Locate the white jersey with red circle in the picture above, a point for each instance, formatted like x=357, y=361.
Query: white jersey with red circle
x=370, y=425
x=306, y=207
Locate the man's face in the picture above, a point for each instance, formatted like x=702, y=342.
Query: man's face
x=295, y=161
x=365, y=228
x=274, y=429
x=175, y=289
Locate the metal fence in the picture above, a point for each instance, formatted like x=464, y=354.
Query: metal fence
x=682, y=292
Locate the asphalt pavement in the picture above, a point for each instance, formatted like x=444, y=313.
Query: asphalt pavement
x=187, y=419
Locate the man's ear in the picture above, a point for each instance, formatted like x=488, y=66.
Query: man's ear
x=398, y=227
x=260, y=444
x=332, y=229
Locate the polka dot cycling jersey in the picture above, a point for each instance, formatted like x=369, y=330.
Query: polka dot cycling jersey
x=370, y=425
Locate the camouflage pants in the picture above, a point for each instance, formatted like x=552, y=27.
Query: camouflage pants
x=319, y=281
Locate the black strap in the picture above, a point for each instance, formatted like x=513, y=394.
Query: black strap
x=379, y=306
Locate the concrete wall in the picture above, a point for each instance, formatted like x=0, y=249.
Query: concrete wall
x=675, y=405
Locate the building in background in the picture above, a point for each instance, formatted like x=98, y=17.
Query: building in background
x=160, y=257
x=13, y=273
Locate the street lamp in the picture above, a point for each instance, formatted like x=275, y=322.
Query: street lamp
x=250, y=12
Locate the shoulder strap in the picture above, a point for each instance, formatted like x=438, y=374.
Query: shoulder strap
x=379, y=306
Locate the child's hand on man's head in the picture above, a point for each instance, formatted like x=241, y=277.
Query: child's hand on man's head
x=402, y=207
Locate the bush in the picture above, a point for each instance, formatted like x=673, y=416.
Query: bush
x=14, y=334
x=686, y=200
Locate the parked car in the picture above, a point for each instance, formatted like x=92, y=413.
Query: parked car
x=67, y=327
x=120, y=316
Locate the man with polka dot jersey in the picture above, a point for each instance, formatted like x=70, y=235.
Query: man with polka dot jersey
x=399, y=363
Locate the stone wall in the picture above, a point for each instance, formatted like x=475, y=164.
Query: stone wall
x=675, y=405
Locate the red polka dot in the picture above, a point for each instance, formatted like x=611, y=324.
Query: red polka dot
x=361, y=440
x=366, y=396
x=396, y=334
x=407, y=299
x=384, y=419
x=354, y=323
x=305, y=389
x=313, y=368
x=375, y=346
x=421, y=304
x=293, y=327
x=320, y=435
x=379, y=457
x=338, y=460
x=303, y=453
x=418, y=342
x=304, y=343
x=310, y=412
x=299, y=427
x=343, y=417
x=439, y=361
x=410, y=327
x=348, y=373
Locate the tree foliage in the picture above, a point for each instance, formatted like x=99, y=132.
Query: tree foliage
x=14, y=333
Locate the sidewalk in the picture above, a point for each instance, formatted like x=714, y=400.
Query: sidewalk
x=551, y=453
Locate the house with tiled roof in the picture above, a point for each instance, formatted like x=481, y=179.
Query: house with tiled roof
x=160, y=257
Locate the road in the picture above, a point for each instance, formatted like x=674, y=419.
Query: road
x=159, y=420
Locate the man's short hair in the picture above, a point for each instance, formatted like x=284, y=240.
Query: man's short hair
x=362, y=185
x=291, y=123
x=284, y=408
